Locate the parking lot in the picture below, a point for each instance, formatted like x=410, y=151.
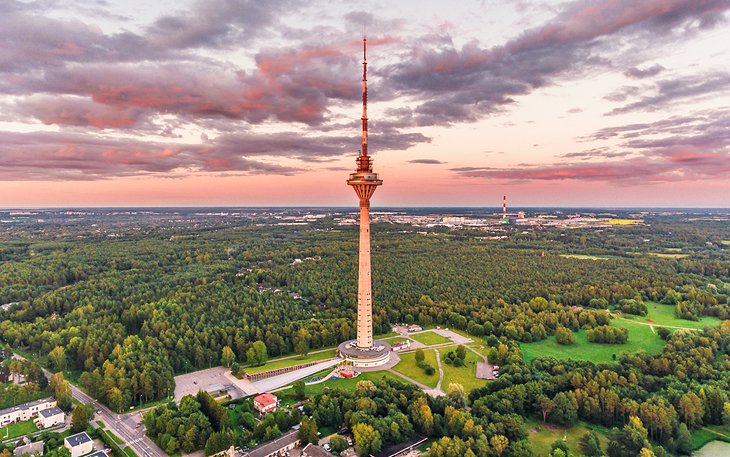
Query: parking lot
x=212, y=378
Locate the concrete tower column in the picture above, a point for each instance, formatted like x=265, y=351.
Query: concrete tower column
x=364, y=284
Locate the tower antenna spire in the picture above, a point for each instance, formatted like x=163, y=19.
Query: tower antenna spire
x=364, y=150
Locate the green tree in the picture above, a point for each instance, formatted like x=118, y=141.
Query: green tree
x=590, y=445
x=218, y=441
x=338, y=443
x=301, y=342
x=80, y=417
x=57, y=358
x=308, y=431
x=367, y=439
x=257, y=353
x=299, y=389
x=227, y=356
x=684, y=440
x=420, y=355
x=565, y=411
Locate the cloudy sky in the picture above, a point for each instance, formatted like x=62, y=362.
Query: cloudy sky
x=250, y=102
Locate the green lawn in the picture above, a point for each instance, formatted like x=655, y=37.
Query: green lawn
x=130, y=452
x=395, y=339
x=541, y=436
x=466, y=375
x=660, y=314
x=704, y=435
x=429, y=338
x=342, y=383
x=408, y=367
x=640, y=338
x=18, y=429
x=281, y=363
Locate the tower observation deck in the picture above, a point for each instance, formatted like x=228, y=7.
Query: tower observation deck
x=364, y=351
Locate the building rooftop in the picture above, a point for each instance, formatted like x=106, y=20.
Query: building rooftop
x=77, y=439
x=25, y=406
x=270, y=447
x=266, y=399
x=97, y=454
x=50, y=412
x=312, y=450
x=32, y=449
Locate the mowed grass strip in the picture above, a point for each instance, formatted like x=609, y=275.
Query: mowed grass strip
x=465, y=375
x=641, y=338
x=343, y=383
x=408, y=367
x=288, y=362
x=429, y=338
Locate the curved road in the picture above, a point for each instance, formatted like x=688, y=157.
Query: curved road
x=122, y=425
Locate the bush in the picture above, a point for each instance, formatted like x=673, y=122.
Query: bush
x=664, y=333
x=635, y=307
x=605, y=334
x=563, y=335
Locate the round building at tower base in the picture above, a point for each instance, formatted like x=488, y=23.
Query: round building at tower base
x=375, y=356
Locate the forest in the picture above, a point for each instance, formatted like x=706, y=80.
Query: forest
x=122, y=315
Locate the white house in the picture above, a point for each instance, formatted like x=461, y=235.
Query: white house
x=25, y=411
x=50, y=417
x=79, y=444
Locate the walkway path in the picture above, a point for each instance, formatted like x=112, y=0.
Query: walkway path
x=424, y=387
x=441, y=370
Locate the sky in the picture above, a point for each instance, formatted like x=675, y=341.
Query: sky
x=613, y=103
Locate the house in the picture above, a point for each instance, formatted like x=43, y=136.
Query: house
x=414, y=328
x=79, y=444
x=286, y=442
x=24, y=446
x=26, y=411
x=265, y=403
x=98, y=454
x=312, y=450
x=50, y=417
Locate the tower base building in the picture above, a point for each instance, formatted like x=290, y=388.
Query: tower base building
x=376, y=355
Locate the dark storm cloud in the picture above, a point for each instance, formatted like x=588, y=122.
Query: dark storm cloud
x=465, y=84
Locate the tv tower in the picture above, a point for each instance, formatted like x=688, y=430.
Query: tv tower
x=364, y=351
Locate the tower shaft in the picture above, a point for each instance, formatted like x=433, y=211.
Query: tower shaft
x=364, y=283
x=364, y=182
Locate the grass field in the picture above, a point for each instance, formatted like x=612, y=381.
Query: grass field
x=346, y=384
x=429, y=338
x=640, y=338
x=466, y=375
x=408, y=367
x=541, y=436
x=583, y=256
x=660, y=315
x=18, y=429
x=130, y=452
x=281, y=363
x=665, y=255
x=704, y=435
x=395, y=339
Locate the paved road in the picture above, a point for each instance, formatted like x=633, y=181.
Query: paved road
x=120, y=424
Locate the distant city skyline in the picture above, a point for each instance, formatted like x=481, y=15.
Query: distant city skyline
x=240, y=103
